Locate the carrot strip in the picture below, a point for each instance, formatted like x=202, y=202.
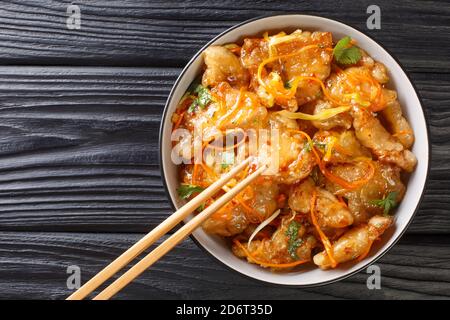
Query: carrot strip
x=402, y=132
x=207, y=169
x=342, y=150
x=180, y=119
x=194, y=173
x=267, y=264
x=326, y=242
x=344, y=183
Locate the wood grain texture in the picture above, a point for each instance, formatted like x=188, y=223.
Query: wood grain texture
x=168, y=33
x=79, y=149
x=417, y=267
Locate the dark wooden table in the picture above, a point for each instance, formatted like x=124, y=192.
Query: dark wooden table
x=79, y=118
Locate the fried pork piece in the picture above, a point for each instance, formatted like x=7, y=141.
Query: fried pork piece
x=311, y=62
x=341, y=120
x=374, y=136
x=294, y=160
x=344, y=145
x=329, y=211
x=253, y=52
x=386, y=179
x=228, y=112
x=355, y=242
x=227, y=221
x=222, y=65
x=278, y=249
x=397, y=123
x=260, y=201
x=377, y=69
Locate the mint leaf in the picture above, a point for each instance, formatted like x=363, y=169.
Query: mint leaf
x=201, y=207
x=387, y=203
x=186, y=190
x=203, y=98
x=345, y=53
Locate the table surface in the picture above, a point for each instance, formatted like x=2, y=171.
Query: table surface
x=79, y=118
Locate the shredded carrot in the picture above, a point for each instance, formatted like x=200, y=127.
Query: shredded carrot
x=267, y=264
x=194, y=174
x=325, y=90
x=377, y=102
x=180, y=119
x=346, y=184
x=326, y=242
x=343, y=183
x=402, y=132
x=207, y=169
x=342, y=150
x=236, y=50
x=245, y=172
x=288, y=93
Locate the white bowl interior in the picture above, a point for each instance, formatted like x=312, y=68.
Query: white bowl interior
x=411, y=108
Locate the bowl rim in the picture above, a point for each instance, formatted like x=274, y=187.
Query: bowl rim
x=216, y=259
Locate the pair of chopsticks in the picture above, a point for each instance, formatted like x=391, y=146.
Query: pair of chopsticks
x=160, y=231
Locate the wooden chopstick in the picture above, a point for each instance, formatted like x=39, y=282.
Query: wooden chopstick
x=175, y=238
x=155, y=234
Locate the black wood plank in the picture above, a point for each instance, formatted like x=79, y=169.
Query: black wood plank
x=79, y=146
x=167, y=33
x=35, y=265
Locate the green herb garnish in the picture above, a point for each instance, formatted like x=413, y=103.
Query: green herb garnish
x=320, y=145
x=201, y=207
x=287, y=85
x=203, y=98
x=293, y=243
x=387, y=203
x=345, y=53
x=186, y=190
x=307, y=146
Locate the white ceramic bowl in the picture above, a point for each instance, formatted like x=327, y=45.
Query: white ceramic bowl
x=411, y=107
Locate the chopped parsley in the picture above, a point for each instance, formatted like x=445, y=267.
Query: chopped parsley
x=307, y=147
x=387, y=203
x=345, y=53
x=201, y=207
x=293, y=242
x=203, y=98
x=320, y=145
x=186, y=190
